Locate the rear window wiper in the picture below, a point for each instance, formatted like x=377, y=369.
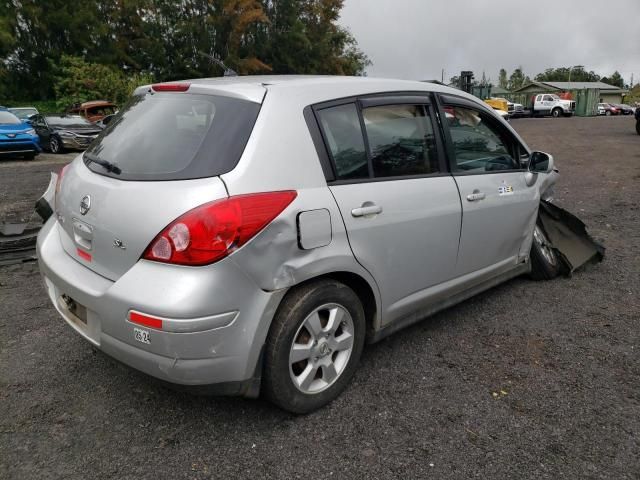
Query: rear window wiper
x=108, y=166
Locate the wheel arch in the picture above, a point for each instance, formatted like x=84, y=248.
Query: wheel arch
x=362, y=287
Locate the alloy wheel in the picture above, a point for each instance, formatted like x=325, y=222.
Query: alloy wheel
x=541, y=239
x=321, y=348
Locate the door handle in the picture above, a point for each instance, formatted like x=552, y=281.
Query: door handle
x=475, y=196
x=366, y=209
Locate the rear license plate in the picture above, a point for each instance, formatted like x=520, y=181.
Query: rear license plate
x=142, y=336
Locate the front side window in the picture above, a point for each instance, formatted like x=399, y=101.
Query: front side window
x=548, y=98
x=342, y=132
x=479, y=145
x=401, y=140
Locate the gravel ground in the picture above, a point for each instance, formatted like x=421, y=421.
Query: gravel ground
x=533, y=380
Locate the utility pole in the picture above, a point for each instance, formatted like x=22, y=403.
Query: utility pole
x=442, y=77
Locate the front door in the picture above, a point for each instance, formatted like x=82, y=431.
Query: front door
x=498, y=208
x=401, y=210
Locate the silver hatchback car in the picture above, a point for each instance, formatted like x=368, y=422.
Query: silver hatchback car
x=250, y=234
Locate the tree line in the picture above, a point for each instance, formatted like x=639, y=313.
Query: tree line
x=518, y=79
x=118, y=43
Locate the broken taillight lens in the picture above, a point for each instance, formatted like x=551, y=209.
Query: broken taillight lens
x=212, y=231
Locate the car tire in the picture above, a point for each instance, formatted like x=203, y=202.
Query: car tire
x=556, y=112
x=608, y=113
x=545, y=263
x=322, y=324
x=55, y=145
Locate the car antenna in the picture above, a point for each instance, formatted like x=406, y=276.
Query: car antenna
x=227, y=71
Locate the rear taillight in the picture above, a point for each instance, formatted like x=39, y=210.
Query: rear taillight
x=58, y=186
x=214, y=230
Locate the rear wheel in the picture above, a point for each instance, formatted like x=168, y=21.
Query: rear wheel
x=545, y=264
x=314, y=346
x=55, y=145
x=556, y=112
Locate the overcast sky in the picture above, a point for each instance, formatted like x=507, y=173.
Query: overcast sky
x=415, y=39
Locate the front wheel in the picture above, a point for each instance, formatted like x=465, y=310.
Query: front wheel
x=55, y=145
x=545, y=264
x=314, y=346
x=556, y=112
x=608, y=113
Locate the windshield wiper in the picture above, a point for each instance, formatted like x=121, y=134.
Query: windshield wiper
x=108, y=166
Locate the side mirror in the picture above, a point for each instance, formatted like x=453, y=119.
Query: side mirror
x=540, y=162
x=29, y=121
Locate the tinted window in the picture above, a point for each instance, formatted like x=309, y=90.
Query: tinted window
x=479, y=145
x=175, y=136
x=8, y=118
x=342, y=132
x=401, y=140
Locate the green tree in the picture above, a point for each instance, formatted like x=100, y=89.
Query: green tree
x=614, y=79
x=502, y=79
x=517, y=79
x=77, y=81
x=565, y=74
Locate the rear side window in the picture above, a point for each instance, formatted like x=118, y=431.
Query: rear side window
x=401, y=140
x=174, y=136
x=341, y=127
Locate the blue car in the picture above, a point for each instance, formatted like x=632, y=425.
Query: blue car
x=17, y=138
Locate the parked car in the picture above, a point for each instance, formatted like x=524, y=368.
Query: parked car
x=210, y=246
x=624, y=109
x=17, y=138
x=24, y=113
x=607, y=109
x=64, y=132
x=551, y=104
x=513, y=109
x=95, y=110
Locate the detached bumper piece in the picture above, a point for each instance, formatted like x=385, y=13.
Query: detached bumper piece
x=569, y=238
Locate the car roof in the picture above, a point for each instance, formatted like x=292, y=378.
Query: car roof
x=321, y=87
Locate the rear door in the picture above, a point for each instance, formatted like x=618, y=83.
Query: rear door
x=401, y=209
x=498, y=208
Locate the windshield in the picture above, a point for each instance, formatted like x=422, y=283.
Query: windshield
x=69, y=121
x=174, y=136
x=23, y=113
x=8, y=118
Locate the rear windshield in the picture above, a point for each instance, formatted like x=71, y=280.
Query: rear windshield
x=173, y=136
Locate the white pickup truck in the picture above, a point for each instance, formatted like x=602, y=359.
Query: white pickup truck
x=550, y=104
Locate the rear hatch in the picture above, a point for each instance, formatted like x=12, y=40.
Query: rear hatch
x=160, y=157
